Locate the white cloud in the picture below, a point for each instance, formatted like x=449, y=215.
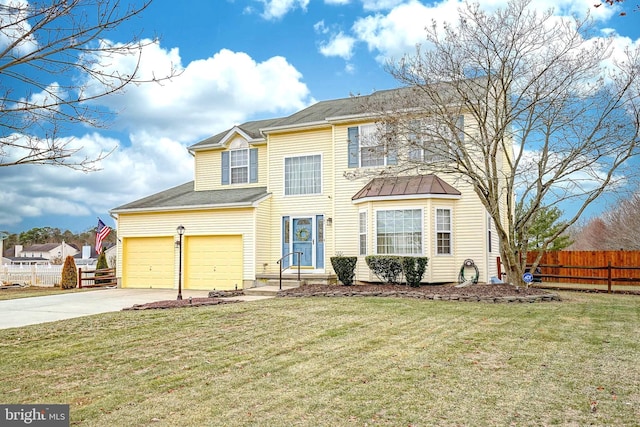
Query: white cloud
x=339, y=45
x=380, y=4
x=276, y=9
x=210, y=94
x=15, y=27
x=150, y=164
x=320, y=28
x=337, y=2
x=398, y=31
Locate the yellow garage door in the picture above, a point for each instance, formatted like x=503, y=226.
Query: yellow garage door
x=148, y=262
x=213, y=262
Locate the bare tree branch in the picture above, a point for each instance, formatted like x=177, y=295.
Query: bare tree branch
x=545, y=122
x=55, y=59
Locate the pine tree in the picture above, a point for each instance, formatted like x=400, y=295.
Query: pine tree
x=69, y=274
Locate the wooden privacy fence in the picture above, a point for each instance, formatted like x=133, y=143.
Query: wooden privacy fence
x=621, y=268
x=97, y=278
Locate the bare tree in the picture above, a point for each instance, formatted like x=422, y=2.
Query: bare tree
x=589, y=236
x=623, y=224
x=545, y=122
x=55, y=59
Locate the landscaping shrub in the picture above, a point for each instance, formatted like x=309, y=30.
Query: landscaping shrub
x=413, y=268
x=345, y=268
x=387, y=268
x=102, y=263
x=69, y=274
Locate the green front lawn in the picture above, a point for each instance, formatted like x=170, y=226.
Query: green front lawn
x=334, y=362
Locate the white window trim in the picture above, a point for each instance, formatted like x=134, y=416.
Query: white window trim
x=435, y=230
x=284, y=174
x=404, y=208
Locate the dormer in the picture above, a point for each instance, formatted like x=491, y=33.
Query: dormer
x=231, y=159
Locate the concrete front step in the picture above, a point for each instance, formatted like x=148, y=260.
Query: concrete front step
x=289, y=279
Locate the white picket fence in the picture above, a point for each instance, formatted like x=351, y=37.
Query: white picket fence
x=35, y=275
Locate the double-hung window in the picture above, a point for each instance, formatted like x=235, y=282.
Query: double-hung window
x=431, y=142
x=363, y=233
x=239, y=166
x=367, y=149
x=443, y=231
x=303, y=175
x=399, y=232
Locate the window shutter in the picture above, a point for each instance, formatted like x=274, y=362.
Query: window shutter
x=353, y=147
x=225, y=168
x=253, y=165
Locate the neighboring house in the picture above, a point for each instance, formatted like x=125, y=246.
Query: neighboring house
x=43, y=253
x=265, y=189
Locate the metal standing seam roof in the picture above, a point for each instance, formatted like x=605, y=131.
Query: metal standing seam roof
x=406, y=186
x=184, y=196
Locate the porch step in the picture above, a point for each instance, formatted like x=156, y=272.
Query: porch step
x=291, y=280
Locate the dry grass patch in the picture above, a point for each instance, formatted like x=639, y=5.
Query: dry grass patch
x=334, y=362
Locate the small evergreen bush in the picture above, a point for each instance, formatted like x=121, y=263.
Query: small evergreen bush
x=101, y=264
x=387, y=268
x=69, y=274
x=345, y=268
x=413, y=268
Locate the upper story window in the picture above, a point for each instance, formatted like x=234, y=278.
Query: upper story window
x=240, y=164
x=366, y=149
x=427, y=140
x=303, y=175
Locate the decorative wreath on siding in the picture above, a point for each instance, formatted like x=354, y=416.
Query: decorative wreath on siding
x=302, y=235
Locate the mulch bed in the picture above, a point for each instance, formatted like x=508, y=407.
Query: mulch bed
x=479, y=292
x=190, y=302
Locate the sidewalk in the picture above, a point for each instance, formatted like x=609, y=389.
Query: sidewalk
x=30, y=311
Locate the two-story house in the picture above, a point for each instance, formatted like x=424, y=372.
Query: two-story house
x=266, y=189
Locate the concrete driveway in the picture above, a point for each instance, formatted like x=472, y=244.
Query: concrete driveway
x=29, y=311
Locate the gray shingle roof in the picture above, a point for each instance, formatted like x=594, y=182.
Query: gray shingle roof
x=184, y=196
x=250, y=128
x=321, y=111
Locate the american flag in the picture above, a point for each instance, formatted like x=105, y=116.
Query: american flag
x=101, y=233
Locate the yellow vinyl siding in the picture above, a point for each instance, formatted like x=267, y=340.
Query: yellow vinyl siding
x=240, y=221
x=213, y=262
x=290, y=145
x=264, y=236
x=148, y=262
x=208, y=167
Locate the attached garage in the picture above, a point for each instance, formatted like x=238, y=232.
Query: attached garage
x=213, y=262
x=148, y=262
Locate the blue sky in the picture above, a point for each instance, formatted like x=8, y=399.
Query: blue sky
x=240, y=60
